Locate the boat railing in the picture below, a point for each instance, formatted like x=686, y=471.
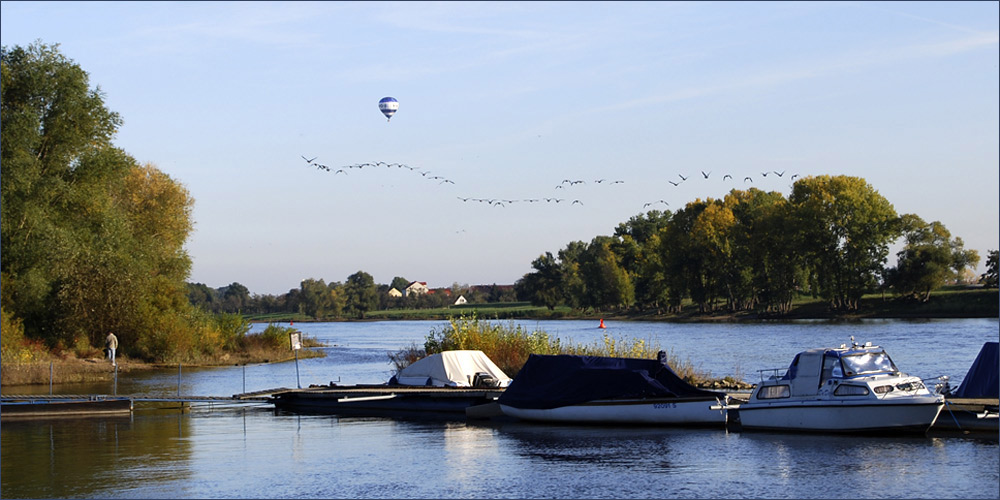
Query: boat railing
x=771, y=373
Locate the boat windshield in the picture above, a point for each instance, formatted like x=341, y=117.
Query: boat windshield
x=867, y=363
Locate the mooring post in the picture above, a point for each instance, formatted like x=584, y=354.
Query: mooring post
x=297, y=383
x=178, y=380
x=244, y=378
x=116, y=379
x=50, y=378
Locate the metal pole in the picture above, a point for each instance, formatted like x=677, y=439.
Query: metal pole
x=116, y=379
x=50, y=378
x=297, y=383
x=244, y=378
x=178, y=380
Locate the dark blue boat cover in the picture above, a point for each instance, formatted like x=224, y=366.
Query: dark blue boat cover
x=982, y=381
x=548, y=381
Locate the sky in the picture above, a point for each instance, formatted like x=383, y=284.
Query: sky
x=508, y=101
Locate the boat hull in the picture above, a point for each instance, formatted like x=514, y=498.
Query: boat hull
x=681, y=412
x=846, y=416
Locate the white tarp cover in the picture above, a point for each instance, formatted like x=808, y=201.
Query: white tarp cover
x=451, y=369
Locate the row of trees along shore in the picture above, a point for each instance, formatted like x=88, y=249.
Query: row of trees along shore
x=92, y=241
x=756, y=251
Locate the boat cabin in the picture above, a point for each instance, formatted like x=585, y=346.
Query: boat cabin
x=812, y=369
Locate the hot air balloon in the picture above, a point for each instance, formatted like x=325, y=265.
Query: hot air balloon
x=388, y=107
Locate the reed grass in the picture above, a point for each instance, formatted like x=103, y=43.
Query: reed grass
x=509, y=346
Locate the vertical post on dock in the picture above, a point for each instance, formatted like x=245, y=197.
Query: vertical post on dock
x=295, y=340
x=178, y=380
x=116, y=379
x=244, y=378
x=50, y=378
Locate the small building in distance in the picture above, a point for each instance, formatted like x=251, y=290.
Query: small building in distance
x=460, y=300
x=415, y=288
x=395, y=293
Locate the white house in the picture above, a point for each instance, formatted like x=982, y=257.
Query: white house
x=395, y=293
x=460, y=300
x=415, y=288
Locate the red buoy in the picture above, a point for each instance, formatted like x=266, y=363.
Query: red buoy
x=602, y=324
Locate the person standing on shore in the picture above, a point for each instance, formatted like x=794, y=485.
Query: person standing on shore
x=111, y=342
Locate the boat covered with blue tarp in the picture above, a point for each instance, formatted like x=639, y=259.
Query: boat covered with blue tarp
x=596, y=389
x=983, y=378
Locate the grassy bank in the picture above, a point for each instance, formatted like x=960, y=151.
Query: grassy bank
x=40, y=366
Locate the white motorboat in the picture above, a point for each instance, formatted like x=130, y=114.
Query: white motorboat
x=605, y=390
x=854, y=388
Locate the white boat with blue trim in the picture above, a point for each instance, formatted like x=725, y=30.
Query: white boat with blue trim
x=849, y=389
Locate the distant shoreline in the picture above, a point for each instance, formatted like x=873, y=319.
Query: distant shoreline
x=946, y=304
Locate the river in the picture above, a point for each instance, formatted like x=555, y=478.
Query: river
x=256, y=452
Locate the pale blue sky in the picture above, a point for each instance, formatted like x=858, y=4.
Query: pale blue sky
x=507, y=100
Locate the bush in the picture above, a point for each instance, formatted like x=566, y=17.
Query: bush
x=509, y=346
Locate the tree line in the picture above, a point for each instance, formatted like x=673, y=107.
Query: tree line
x=351, y=299
x=756, y=251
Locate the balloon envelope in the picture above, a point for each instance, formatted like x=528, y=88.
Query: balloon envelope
x=388, y=106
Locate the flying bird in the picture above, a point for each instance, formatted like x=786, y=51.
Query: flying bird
x=308, y=160
x=779, y=174
x=576, y=201
x=682, y=177
x=764, y=174
x=727, y=176
x=747, y=179
x=706, y=175
x=794, y=176
x=674, y=183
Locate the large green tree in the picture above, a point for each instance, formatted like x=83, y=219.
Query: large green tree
x=90, y=240
x=929, y=258
x=846, y=228
x=543, y=287
x=360, y=295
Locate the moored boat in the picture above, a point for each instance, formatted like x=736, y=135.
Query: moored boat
x=849, y=389
x=605, y=390
x=443, y=384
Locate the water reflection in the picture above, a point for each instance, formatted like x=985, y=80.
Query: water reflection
x=62, y=457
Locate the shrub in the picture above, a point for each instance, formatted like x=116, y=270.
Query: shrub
x=509, y=346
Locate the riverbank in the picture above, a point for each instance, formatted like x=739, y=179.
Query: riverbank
x=72, y=370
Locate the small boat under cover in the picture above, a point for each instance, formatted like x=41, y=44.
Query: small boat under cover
x=605, y=390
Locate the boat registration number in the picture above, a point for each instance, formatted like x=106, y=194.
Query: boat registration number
x=661, y=406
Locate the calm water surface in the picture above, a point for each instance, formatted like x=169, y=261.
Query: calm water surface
x=256, y=452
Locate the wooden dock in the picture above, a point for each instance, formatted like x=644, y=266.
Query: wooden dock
x=22, y=406
x=385, y=400
x=969, y=416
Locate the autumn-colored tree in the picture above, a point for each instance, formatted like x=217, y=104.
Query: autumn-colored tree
x=846, y=228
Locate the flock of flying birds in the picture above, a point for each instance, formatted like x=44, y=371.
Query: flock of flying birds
x=498, y=202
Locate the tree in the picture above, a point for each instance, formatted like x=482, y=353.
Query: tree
x=90, y=241
x=989, y=279
x=359, y=291
x=928, y=260
x=400, y=283
x=606, y=282
x=846, y=228
x=543, y=286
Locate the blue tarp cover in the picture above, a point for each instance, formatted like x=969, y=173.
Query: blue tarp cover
x=982, y=381
x=548, y=381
